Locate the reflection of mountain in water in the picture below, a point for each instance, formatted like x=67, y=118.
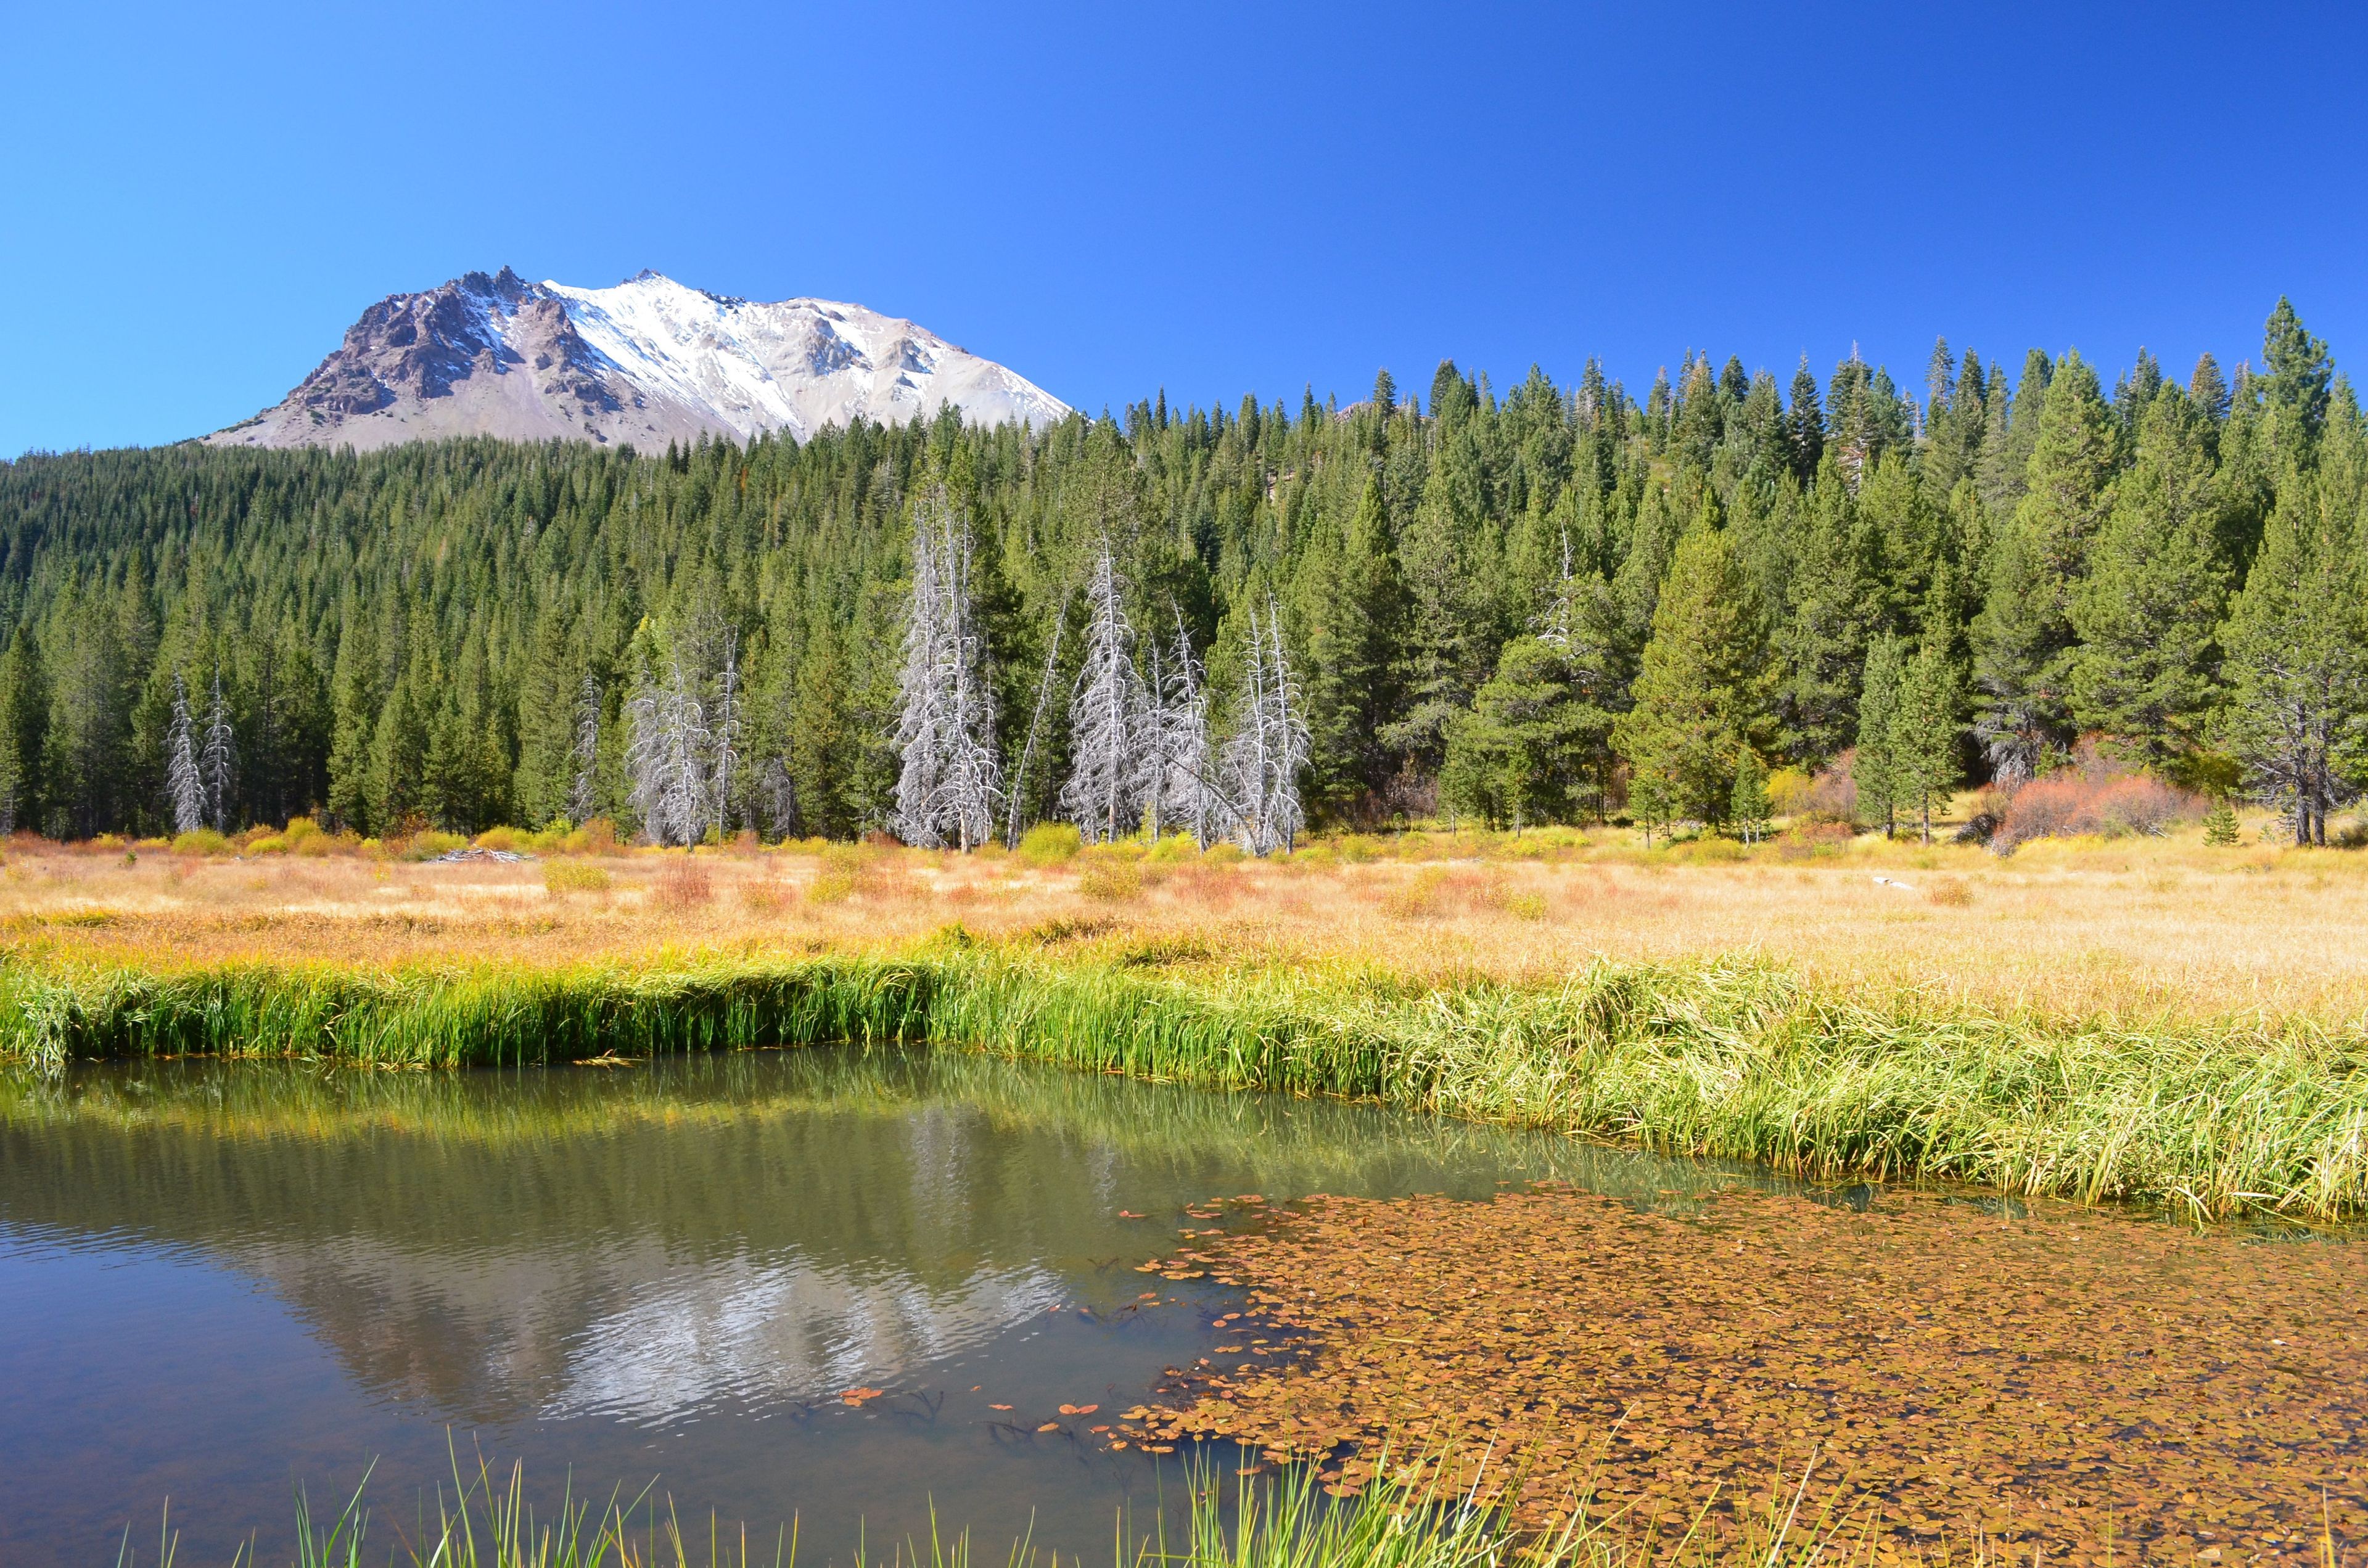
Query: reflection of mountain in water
x=749, y=1231
x=757, y=1333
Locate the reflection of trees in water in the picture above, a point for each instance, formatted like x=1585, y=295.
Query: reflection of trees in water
x=755, y=1226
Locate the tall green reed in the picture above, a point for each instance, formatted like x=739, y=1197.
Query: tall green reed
x=1716, y=1058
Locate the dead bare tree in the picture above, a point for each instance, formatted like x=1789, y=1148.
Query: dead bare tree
x=668, y=757
x=1109, y=719
x=1262, y=759
x=1176, y=786
x=950, y=781
x=585, y=758
x=726, y=735
x=218, y=759
x=185, y=788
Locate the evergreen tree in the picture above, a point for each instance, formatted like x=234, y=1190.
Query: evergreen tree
x=1524, y=753
x=2298, y=674
x=1835, y=610
x=2148, y=615
x=1749, y=807
x=549, y=713
x=24, y=724
x=1876, y=768
x=1348, y=600
x=2294, y=391
x=2024, y=640
x=1923, y=740
x=1804, y=424
x=86, y=743
x=1703, y=691
x=2207, y=389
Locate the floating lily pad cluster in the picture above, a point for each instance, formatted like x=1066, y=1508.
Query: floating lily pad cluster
x=2057, y=1378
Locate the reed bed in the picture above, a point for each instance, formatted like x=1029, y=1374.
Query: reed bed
x=1715, y=1057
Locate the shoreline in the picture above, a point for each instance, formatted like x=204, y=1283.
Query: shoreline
x=1723, y=1058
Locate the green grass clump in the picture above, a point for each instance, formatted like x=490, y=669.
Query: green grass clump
x=1407, y=1520
x=1714, y=1058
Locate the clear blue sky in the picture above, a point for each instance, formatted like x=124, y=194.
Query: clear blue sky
x=1208, y=199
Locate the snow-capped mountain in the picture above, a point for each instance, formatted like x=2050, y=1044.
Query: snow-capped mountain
x=645, y=362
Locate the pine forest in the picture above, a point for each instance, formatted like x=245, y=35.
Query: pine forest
x=1545, y=604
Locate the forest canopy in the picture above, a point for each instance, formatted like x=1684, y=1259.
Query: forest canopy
x=1551, y=603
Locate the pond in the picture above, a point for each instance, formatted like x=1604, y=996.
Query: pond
x=224, y=1279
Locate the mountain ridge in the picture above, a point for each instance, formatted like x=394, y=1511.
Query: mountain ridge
x=645, y=361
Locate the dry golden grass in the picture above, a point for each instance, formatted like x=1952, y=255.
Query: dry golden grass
x=2128, y=926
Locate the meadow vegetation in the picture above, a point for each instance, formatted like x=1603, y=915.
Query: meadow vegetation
x=2090, y=1017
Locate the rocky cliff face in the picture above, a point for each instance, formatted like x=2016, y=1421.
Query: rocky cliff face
x=645, y=362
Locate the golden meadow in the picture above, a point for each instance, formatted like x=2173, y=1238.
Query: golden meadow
x=2151, y=1019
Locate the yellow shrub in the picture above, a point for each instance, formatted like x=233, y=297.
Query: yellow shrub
x=567, y=876
x=1226, y=853
x=507, y=838
x=1050, y=844
x=1111, y=880
x=269, y=844
x=842, y=871
x=426, y=845
x=1174, y=848
x=201, y=841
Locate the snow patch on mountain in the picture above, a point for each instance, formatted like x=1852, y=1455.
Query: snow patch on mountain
x=647, y=360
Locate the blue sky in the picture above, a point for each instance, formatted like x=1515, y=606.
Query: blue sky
x=1212, y=200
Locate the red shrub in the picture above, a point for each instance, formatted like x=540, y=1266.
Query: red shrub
x=2109, y=805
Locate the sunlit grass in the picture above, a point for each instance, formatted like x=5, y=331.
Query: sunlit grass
x=1712, y=1057
x=2134, y=928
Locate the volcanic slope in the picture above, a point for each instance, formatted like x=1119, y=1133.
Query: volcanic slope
x=645, y=362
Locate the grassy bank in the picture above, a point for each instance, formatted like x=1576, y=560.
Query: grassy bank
x=1707, y=1057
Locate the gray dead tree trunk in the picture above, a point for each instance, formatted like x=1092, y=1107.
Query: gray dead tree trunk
x=586, y=753
x=185, y=790
x=1107, y=716
x=1264, y=755
x=950, y=781
x=218, y=760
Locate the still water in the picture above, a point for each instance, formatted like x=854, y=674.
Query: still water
x=218, y=1281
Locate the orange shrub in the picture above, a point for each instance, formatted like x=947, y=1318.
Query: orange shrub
x=682, y=883
x=2064, y=805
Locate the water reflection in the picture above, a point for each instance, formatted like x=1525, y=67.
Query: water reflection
x=637, y=1270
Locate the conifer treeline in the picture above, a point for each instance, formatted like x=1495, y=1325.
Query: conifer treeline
x=1542, y=606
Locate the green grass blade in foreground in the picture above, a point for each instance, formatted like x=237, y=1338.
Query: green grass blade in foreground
x=1408, y=1518
x=1717, y=1058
